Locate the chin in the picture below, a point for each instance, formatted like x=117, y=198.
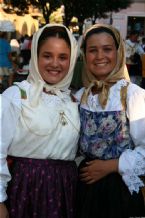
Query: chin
x=52, y=82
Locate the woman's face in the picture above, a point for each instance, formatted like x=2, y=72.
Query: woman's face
x=54, y=59
x=101, y=55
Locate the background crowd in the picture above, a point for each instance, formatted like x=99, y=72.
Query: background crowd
x=18, y=55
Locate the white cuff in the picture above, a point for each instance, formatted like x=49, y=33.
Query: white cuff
x=131, y=166
x=3, y=195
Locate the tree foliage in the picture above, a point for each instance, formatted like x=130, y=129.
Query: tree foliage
x=82, y=9
x=46, y=6
x=98, y=8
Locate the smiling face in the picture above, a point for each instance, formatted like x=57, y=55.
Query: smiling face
x=54, y=59
x=101, y=54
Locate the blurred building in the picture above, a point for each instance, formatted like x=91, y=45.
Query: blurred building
x=131, y=18
x=26, y=24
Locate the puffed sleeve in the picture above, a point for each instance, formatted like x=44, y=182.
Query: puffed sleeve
x=132, y=162
x=10, y=106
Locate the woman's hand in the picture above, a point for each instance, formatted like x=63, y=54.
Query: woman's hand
x=97, y=169
x=3, y=211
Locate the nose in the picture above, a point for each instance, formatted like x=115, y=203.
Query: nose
x=99, y=54
x=55, y=62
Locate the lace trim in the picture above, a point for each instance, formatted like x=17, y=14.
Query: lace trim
x=54, y=100
x=122, y=83
x=3, y=195
x=93, y=102
x=133, y=182
x=132, y=179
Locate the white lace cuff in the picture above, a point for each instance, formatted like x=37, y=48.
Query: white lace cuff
x=133, y=182
x=131, y=170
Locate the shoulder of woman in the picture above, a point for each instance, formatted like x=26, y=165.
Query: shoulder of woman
x=79, y=94
x=135, y=90
x=15, y=93
x=135, y=101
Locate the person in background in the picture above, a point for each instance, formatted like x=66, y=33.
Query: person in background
x=25, y=42
x=143, y=43
x=6, y=72
x=22, y=71
x=15, y=47
x=30, y=42
x=143, y=71
x=15, y=53
x=25, y=46
x=143, y=63
x=40, y=130
x=112, y=137
x=134, y=51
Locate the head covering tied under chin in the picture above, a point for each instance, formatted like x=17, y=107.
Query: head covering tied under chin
x=34, y=76
x=119, y=72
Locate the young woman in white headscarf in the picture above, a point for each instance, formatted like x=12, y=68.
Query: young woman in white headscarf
x=40, y=130
x=112, y=140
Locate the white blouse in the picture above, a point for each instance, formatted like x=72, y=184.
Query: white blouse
x=53, y=134
x=131, y=162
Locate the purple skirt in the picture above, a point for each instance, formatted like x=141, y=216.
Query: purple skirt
x=42, y=188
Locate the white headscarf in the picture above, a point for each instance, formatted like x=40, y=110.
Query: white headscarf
x=34, y=76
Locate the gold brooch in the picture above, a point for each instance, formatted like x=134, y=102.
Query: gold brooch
x=62, y=118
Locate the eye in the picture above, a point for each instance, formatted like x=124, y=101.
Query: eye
x=108, y=49
x=46, y=56
x=93, y=50
x=63, y=57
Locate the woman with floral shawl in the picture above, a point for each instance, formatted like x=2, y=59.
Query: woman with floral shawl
x=112, y=139
x=40, y=130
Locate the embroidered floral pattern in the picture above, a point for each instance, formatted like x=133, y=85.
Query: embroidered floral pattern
x=104, y=135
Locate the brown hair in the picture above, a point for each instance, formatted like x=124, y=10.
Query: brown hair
x=54, y=31
x=97, y=31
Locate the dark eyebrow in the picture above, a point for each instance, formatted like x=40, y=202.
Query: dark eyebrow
x=110, y=45
x=65, y=54
x=47, y=52
x=107, y=45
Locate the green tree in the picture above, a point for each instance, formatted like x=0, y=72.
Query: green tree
x=98, y=8
x=82, y=9
x=47, y=7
